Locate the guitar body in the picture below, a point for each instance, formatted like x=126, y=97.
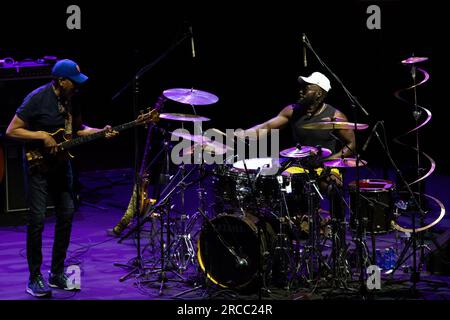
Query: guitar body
x=39, y=159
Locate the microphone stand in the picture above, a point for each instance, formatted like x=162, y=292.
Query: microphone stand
x=137, y=264
x=354, y=103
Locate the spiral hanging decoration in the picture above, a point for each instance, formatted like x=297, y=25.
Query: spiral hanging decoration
x=426, y=77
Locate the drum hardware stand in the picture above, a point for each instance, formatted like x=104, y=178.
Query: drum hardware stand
x=415, y=275
x=240, y=261
x=338, y=226
x=313, y=259
x=282, y=247
x=164, y=267
x=341, y=268
x=183, y=240
x=148, y=215
x=165, y=247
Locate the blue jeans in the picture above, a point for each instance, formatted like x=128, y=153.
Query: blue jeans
x=56, y=183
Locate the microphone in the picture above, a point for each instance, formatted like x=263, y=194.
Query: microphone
x=305, y=63
x=242, y=262
x=192, y=41
x=370, y=136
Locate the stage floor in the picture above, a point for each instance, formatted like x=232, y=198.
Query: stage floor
x=105, y=196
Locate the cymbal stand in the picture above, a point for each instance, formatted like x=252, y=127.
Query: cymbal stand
x=341, y=268
x=361, y=222
x=165, y=246
x=360, y=239
x=313, y=259
x=283, y=249
x=183, y=249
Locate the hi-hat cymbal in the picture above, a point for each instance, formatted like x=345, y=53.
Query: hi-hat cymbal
x=190, y=96
x=206, y=143
x=303, y=152
x=183, y=117
x=344, y=163
x=335, y=125
x=412, y=60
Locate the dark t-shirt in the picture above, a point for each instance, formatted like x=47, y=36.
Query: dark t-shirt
x=312, y=137
x=40, y=110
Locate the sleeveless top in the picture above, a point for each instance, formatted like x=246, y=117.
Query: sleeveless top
x=312, y=137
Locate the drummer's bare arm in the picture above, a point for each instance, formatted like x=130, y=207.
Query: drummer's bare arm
x=278, y=122
x=347, y=137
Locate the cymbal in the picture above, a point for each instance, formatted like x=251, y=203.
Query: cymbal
x=344, y=163
x=206, y=148
x=183, y=117
x=206, y=143
x=190, y=96
x=412, y=60
x=303, y=152
x=335, y=125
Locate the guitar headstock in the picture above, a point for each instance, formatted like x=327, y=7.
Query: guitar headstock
x=151, y=116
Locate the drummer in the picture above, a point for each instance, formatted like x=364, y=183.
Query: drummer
x=311, y=108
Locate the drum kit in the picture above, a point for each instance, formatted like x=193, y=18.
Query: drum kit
x=269, y=229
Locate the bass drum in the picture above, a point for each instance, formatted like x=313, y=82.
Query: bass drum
x=228, y=250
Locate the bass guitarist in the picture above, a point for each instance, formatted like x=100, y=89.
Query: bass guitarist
x=46, y=110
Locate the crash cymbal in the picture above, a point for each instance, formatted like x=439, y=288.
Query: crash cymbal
x=412, y=60
x=335, y=125
x=344, y=163
x=303, y=152
x=190, y=96
x=205, y=148
x=183, y=117
x=206, y=143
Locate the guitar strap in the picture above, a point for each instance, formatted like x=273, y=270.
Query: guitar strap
x=65, y=107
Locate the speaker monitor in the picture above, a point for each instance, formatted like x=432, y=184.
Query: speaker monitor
x=13, y=184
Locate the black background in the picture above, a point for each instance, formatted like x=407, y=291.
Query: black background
x=249, y=54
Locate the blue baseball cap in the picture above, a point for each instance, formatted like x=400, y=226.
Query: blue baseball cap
x=68, y=69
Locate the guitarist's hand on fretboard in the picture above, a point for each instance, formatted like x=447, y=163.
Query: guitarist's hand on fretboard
x=109, y=133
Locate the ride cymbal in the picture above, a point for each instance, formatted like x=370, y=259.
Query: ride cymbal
x=190, y=96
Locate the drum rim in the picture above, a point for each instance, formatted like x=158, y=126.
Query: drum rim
x=352, y=186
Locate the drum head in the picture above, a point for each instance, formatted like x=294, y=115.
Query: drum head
x=224, y=268
x=255, y=164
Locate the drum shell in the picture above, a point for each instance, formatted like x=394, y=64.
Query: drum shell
x=375, y=207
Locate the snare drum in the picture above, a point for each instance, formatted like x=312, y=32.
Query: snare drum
x=376, y=205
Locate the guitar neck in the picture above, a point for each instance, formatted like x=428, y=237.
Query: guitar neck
x=101, y=134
